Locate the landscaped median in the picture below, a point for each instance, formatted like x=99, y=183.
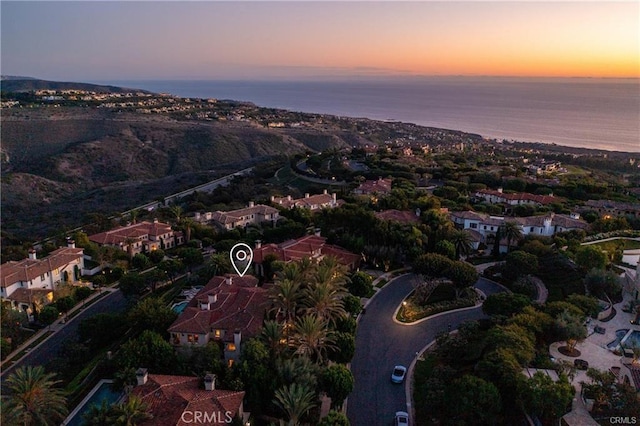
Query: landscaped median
x=441, y=300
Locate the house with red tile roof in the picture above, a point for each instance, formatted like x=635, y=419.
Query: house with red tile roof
x=228, y=309
x=406, y=217
x=253, y=214
x=516, y=198
x=184, y=400
x=371, y=187
x=309, y=202
x=34, y=280
x=140, y=237
x=310, y=246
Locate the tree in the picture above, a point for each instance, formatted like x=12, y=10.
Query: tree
x=140, y=261
x=570, y=329
x=132, y=284
x=345, y=348
x=337, y=382
x=131, y=412
x=446, y=248
x=156, y=256
x=203, y=360
x=352, y=304
x=514, y=338
x=102, y=329
x=432, y=265
x=590, y=257
x=82, y=293
x=149, y=350
x=99, y=415
x=325, y=301
x=471, y=400
x=298, y=370
x=505, y=304
x=33, y=399
x=312, y=337
x=152, y=314
x=172, y=268
x=65, y=303
x=602, y=283
x=334, y=418
x=545, y=398
x=286, y=296
x=512, y=232
x=520, y=263
x=295, y=401
x=555, y=309
x=589, y=305
x=462, y=243
x=256, y=370
x=48, y=314
x=360, y=284
x=190, y=256
x=463, y=275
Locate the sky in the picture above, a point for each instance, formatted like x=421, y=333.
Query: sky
x=93, y=40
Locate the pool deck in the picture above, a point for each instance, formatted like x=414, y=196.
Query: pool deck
x=594, y=348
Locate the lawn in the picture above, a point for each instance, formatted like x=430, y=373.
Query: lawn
x=613, y=245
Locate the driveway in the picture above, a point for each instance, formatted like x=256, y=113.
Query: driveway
x=382, y=343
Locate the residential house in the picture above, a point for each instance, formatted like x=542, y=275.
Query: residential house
x=33, y=280
x=609, y=208
x=140, y=237
x=404, y=217
x=514, y=199
x=228, y=309
x=183, y=400
x=310, y=246
x=373, y=187
x=253, y=214
x=309, y=202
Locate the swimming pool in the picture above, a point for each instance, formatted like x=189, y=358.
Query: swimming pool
x=179, y=307
x=632, y=340
x=101, y=391
x=619, y=336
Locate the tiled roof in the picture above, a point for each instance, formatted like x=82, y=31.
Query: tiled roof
x=238, y=306
x=168, y=397
x=398, y=216
x=525, y=196
x=236, y=215
x=306, y=202
x=136, y=231
x=28, y=295
x=310, y=246
x=380, y=186
x=29, y=269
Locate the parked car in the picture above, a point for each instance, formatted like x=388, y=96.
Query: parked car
x=399, y=371
x=402, y=418
x=581, y=364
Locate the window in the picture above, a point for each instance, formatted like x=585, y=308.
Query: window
x=217, y=334
x=42, y=277
x=532, y=229
x=192, y=338
x=485, y=227
x=474, y=225
x=231, y=347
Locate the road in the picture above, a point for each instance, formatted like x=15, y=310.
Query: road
x=47, y=350
x=382, y=343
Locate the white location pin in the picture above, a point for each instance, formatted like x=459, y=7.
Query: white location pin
x=241, y=256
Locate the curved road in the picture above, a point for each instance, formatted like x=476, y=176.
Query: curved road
x=382, y=343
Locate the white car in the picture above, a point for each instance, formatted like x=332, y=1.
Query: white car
x=402, y=418
x=399, y=371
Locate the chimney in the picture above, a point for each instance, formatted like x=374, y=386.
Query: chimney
x=335, y=197
x=324, y=191
x=306, y=195
x=317, y=232
x=32, y=254
x=258, y=244
x=237, y=339
x=273, y=198
x=500, y=190
x=228, y=279
x=142, y=375
x=288, y=197
x=155, y=220
x=575, y=215
x=210, y=382
x=251, y=204
x=212, y=298
x=71, y=243
x=197, y=216
x=204, y=305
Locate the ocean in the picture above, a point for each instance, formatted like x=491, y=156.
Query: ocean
x=578, y=112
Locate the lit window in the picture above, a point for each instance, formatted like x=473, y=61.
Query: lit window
x=217, y=334
x=231, y=347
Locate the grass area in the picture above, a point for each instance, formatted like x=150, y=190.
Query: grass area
x=575, y=170
x=421, y=374
x=382, y=283
x=613, y=245
x=411, y=311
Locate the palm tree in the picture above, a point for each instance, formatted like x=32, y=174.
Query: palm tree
x=32, y=398
x=272, y=335
x=512, y=232
x=286, y=296
x=99, y=415
x=292, y=272
x=462, y=242
x=295, y=401
x=132, y=412
x=298, y=370
x=312, y=337
x=325, y=301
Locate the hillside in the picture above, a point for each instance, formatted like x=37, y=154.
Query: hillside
x=26, y=84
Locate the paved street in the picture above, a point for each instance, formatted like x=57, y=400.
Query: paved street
x=113, y=302
x=382, y=343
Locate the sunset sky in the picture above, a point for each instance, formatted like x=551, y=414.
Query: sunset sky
x=264, y=40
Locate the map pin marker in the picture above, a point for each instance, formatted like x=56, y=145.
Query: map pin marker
x=241, y=256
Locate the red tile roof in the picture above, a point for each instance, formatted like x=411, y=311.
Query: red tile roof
x=306, y=202
x=136, y=231
x=238, y=306
x=525, y=196
x=380, y=186
x=168, y=397
x=29, y=269
x=309, y=246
